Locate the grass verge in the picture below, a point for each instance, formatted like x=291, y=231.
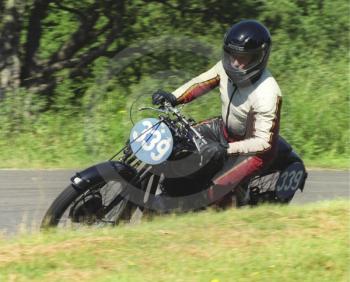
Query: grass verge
x=269, y=243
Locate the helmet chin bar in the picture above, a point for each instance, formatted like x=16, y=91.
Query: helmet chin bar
x=241, y=76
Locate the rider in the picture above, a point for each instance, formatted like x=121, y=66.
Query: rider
x=250, y=103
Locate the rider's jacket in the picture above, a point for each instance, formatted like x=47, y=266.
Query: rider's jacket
x=251, y=113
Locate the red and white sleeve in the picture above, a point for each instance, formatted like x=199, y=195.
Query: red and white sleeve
x=198, y=86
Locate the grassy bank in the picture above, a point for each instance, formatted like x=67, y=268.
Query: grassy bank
x=294, y=243
x=82, y=116
x=317, y=126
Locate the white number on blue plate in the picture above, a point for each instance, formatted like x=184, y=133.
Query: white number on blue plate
x=151, y=141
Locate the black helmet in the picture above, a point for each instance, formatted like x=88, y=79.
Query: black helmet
x=246, y=51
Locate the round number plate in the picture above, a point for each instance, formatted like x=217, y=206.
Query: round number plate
x=289, y=180
x=151, y=141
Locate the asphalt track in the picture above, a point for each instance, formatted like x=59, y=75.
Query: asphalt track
x=26, y=194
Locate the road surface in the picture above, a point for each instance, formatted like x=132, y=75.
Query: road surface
x=25, y=195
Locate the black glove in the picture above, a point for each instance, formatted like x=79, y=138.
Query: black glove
x=214, y=151
x=161, y=96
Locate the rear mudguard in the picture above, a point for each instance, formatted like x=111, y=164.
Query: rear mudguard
x=293, y=158
x=99, y=174
x=286, y=157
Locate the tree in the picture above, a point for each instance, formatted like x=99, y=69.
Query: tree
x=39, y=39
x=93, y=29
x=20, y=62
x=11, y=25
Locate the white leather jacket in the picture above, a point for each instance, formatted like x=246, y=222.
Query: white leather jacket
x=251, y=113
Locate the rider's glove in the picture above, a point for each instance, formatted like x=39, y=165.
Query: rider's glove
x=214, y=151
x=161, y=96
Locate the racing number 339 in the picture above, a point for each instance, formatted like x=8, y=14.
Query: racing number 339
x=290, y=180
x=155, y=140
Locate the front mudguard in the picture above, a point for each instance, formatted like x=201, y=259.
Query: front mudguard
x=100, y=174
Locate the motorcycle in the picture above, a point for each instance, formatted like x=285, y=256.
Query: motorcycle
x=160, y=170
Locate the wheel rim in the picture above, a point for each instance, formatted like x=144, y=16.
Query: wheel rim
x=99, y=207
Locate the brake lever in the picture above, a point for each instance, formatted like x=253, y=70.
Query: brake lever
x=168, y=108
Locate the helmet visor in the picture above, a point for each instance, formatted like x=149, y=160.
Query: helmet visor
x=242, y=61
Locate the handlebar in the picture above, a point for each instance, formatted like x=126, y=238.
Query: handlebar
x=167, y=108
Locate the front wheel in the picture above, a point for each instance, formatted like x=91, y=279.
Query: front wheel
x=58, y=207
x=100, y=205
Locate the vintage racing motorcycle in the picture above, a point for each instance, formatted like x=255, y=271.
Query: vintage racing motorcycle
x=160, y=170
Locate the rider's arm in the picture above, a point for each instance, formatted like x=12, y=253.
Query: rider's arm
x=198, y=86
x=266, y=111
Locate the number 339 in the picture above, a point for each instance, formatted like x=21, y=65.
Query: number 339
x=290, y=180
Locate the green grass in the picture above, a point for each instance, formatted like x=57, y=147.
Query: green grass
x=60, y=141
x=340, y=163
x=84, y=120
x=315, y=120
x=269, y=243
